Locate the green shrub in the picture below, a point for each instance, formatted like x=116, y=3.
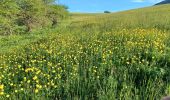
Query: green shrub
x=27, y=15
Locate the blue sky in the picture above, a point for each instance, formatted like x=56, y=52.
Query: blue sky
x=102, y=5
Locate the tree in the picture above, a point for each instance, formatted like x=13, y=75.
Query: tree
x=8, y=16
x=31, y=13
x=49, y=2
x=107, y=12
x=56, y=13
x=36, y=14
x=18, y=16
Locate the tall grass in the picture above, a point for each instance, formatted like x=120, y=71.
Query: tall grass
x=120, y=56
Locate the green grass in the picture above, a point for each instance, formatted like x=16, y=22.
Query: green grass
x=117, y=56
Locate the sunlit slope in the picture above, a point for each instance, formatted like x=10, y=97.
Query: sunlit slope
x=117, y=56
x=149, y=17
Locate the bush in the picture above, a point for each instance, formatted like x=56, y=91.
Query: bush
x=107, y=12
x=27, y=15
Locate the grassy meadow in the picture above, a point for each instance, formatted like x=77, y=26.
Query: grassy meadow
x=116, y=56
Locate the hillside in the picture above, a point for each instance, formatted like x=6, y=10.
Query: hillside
x=163, y=2
x=149, y=17
x=117, y=56
x=144, y=18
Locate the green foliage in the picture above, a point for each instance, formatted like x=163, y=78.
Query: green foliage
x=107, y=12
x=27, y=15
x=32, y=13
x=122, y=64
x=8, y=16
x=120, y=56
x=56, y=13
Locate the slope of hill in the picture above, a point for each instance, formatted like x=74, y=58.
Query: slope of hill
x=150, y=17
x=117, y=56
x=163, y=2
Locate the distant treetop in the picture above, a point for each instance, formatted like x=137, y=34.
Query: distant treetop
x=107, y=12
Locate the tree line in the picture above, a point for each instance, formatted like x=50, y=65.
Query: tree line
x=20, y=16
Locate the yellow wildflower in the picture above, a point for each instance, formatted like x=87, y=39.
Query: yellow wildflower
x=1, y=87
x=28, y=81
x=1, y=93
x=29, y=69
x=7, y=95
x=35, y=77
x=22, y=89
x=36, y=90
x=16, y=91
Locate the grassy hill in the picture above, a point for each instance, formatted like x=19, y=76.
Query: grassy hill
x=150, y=17
x=123, y=55
x=163, y=2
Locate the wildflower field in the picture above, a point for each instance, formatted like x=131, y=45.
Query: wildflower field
x=91, y=57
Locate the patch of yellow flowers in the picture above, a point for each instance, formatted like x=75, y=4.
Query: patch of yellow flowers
x=44, y=66
x=1, y=89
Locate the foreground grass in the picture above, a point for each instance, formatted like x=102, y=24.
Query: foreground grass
x=112, y=56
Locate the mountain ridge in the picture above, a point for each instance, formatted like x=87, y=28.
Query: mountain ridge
x=163, y=2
